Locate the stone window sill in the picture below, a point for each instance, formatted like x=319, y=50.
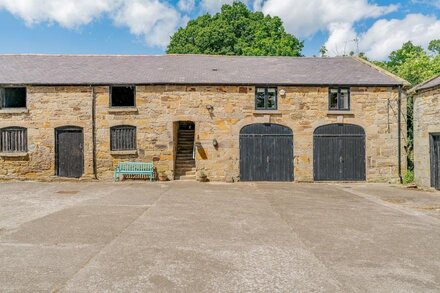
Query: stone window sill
x=14, y=155
x=267, y=112
x=14, y=111
x=115, y=110
x=340, y=113
x=123, y=153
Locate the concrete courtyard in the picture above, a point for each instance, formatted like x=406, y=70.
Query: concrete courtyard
x=191, y=237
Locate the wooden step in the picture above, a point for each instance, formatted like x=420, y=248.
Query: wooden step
x=184, y=151
x=184, y=166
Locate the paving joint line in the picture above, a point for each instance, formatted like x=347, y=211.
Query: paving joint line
x=63, y=285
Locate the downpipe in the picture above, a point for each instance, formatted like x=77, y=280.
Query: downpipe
x=399, y=134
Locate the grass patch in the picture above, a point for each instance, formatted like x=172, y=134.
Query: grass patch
x=409, y=177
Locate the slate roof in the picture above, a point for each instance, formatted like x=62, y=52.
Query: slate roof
x=188, y=69
x=434, y=82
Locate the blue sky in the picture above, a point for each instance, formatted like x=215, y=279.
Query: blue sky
x=144, y=26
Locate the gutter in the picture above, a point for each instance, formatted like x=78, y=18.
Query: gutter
x=399, y=134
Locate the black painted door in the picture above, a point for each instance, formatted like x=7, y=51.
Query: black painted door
x=435, y=161
x=69, y=152
x=339, y=153
x=266, y=153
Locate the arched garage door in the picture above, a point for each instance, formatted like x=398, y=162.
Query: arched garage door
x=266, y=153
x=339, y=153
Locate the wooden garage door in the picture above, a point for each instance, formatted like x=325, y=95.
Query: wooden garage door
x=266, y=153
x=435, y=161
x=339, y=153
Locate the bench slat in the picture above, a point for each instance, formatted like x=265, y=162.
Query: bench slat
x=134, y=168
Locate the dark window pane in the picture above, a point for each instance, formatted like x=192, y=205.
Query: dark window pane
x=123, y=138
x=344, y=100
x=123, y=96
x=333, y=99
x=271, y=98
x=14, y=98
x=266, y=99
x=261, y=94
x=13, y=140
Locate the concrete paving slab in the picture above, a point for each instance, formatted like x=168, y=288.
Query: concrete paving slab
x=206, y=240
x=80, y=224
x=246, y=237
x=40, y=268
x=370, y=247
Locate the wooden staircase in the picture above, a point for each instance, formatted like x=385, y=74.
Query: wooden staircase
x=185, y=165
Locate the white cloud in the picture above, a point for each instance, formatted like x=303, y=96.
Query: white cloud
x=67, y=13
x=303, y=18
x=213, y=6
x=258, y=5
x=152, y=20
x=186, y=5
x=341, y=39
x=385, y=36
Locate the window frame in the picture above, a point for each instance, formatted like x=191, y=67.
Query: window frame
x=121, y=127
x=339, y=99
x=111, y=95
x=266, y=88
x=3, y=96
x=25, y=142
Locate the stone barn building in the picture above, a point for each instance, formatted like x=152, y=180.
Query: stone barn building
x=427, y=133
x=230, y=118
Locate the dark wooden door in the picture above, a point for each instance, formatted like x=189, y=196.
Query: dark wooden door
x=435, y=161
x=69, y=152
x=266, y=153
x=339, y=153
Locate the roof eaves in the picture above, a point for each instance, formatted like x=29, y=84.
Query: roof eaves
x=416, y=88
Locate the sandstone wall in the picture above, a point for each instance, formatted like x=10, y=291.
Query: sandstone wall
x=426, y=121
x=47, y=109
x=158, y=108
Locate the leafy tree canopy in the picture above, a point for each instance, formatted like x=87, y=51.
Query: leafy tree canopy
x=434, y=46
x=413, y=63
x=235, y=31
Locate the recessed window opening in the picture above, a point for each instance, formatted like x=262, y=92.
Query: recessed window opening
x=266, y=98
x=13, y=139
x=123, y=96
x=339, y=99
x=13, y=97
x=123, y=138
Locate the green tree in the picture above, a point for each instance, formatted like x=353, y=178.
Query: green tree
x=235, y=31
x=415, y=65
x=323, y=51
x=434, y=46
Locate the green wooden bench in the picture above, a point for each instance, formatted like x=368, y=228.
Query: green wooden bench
x=134, y=168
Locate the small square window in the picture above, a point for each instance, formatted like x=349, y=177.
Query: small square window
x=13, y=97
x=339, y=99
x=123, y=138
x=123, y=96
x=266, y=99
x=13, y=139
